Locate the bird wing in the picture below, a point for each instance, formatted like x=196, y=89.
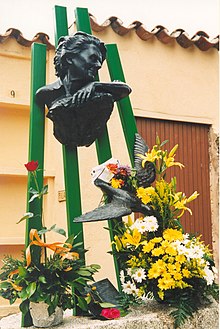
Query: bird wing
x=140, y=147
x=109, y=211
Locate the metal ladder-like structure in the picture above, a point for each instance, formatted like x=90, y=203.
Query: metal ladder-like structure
x=70, y=157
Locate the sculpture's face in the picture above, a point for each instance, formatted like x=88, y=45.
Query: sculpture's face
x=85, y=65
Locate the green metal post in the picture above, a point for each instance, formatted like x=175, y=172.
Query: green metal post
x=103, y=147
x=124, y=105
x=70, y=157
x=36, y=149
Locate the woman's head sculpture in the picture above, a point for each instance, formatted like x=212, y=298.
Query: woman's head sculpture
x=77, y=103
x=69, y=46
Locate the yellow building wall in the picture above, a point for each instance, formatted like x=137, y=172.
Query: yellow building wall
x=168, y=82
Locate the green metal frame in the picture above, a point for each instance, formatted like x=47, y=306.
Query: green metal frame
x=36, y=149
x=70, y=157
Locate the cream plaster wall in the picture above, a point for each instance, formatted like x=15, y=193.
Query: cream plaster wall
x=168, y=82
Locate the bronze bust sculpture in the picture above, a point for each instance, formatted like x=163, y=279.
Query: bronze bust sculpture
x=78, y=105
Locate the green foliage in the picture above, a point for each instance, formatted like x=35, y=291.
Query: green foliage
x=60, y=280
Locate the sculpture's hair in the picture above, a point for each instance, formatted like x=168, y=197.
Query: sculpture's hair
x=71, y=45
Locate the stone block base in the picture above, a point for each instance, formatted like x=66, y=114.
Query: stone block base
x=151, y=316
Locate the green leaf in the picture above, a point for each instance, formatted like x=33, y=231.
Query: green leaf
x=22, y=272
x=33, y=191
x=34, y=196
x=44, y=190
x=23, y=294
x=70, y=239
x=84, y=273
x=31, y=288
x=5, y=285
x=51, y=309
x=43, y=231
x=106, y=305
x=82, y=303
x=59, y=231
x=24, y=306
x=96, y=266
x=164, y=142
x=42, y=279
x=27, y=215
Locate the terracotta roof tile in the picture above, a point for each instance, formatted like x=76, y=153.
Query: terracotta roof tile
x=200, y=39
x=40, y=37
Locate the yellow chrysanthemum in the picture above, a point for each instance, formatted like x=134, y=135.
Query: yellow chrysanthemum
x=156, y=240
x=148, y=247
x=142, y=194
x=186, y=273
x=178, y=266
x=157, y=251
x=180, y=258
x=117, y=183
x=171, y=251
x=166, y=283
x=172, y=234
x=154, y=272
x=177, y=276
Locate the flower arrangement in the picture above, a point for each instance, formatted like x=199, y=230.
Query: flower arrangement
x=59, y=278
x=157, y=259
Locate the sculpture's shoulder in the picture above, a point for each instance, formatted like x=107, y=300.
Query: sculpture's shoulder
x=49, y=93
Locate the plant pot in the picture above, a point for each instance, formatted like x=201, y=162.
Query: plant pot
x=41, y=318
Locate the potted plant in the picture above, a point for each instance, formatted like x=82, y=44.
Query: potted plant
x=56, y=282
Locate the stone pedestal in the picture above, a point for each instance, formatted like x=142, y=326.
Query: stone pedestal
x=151, y=316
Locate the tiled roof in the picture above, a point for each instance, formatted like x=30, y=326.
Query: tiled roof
x=14, y=33
x=200, y=39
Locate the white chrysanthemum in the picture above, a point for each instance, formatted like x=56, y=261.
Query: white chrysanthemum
x=151, y=223
x=139, y=275
x=122, y=276
x=129, y=288
x=129, y=271
x=140, y=225
x=209, y=275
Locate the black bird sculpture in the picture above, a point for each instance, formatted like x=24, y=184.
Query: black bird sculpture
x=145, y=175
x=121, y=202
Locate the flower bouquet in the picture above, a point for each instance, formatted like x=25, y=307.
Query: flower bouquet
x=158, y=260
x=58, y=279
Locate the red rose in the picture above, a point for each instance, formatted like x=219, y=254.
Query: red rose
x=110, y=313
x=32, y=165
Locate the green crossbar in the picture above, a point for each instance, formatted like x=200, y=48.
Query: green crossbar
x=36, y=150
